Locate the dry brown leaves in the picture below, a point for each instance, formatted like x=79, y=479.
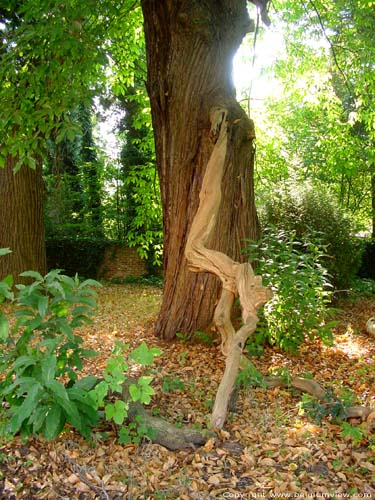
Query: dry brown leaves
x=267, y=449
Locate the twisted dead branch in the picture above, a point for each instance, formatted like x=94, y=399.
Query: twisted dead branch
x=237, y=279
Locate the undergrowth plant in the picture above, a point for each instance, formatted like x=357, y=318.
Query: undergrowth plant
x=5, y=294
x=173, y=383
x=249, y=375
x=309, y=210
x=299, y=307
x=42, y=356
x=334, y=407
x=139, y=390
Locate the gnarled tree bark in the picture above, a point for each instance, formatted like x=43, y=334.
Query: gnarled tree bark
x=190, y=47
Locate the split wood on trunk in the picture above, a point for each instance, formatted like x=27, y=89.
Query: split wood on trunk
x=237, y=279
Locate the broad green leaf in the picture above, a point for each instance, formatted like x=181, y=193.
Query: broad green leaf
x=52, y=275
x=90, y=282
x=33, y=324
x=124, y=436
x=23, y=384
x=49, y=366
x=76, y=394
x=89, y=413
x=64, y=327
x=354, y=433
x=117, y=411
x=32, y=274
x=86, y=383
x=54, y=422
x=143, y=355
x=144, y=381
x=8, y=280
x=5, y=251
x=81, y=311
x=38, y=417
x=116, y=368
x=114, y=384
x=135, y=392
x=5, y=291
x=67, y=280
x=61, y=397
x=88, y=301
x=23, y=412
x=100, y=392
x=56, y=289
x=4, y=327
x=43, y=306
x=24, y=362
x=58, y=390
x=88, y=353
x=146, y=391
x=109, y=411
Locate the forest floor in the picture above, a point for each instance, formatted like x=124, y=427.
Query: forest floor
x=267, y=450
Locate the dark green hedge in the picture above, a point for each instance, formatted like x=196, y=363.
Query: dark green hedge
x=367, y=269
x=76, y=255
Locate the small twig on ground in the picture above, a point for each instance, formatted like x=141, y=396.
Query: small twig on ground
x=81, y=473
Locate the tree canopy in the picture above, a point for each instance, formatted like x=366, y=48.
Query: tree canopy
x=321, y=125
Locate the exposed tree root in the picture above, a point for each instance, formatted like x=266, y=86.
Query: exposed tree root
x=166, y=434
x=163, y=433
x=303, y=384
x=174, y=438
x=315, y=389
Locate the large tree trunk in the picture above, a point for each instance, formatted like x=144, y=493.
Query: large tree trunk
x=21, y=220
x=190, y=47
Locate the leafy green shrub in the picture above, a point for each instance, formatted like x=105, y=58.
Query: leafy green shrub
x=367, y=269
x=362, y=287
x=301, y=289
x=41, y=356
x=352, y=432
x=152, y=280
x=308, y=210
x=336, y=408
x=318, y=410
